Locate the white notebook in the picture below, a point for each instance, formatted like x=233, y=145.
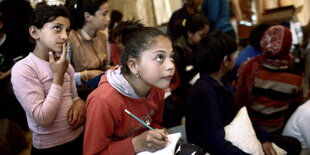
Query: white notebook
x=169, y=149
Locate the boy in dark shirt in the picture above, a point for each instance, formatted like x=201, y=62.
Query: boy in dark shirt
x=210, y=104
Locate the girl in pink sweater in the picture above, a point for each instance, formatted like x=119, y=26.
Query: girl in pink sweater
x=43, y=83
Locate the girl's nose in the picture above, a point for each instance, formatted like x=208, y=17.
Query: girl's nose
x=64, y=36
x=170, y=65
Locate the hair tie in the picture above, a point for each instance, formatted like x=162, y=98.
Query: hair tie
x=184, y=22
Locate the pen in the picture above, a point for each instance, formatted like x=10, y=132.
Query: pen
x=135, y=117
x=142, y=122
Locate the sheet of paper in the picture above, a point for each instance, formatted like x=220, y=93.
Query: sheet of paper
x=169, y=149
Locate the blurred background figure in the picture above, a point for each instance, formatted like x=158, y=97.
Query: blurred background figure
x=116, y=17
x=15, y=44
x=190, y=7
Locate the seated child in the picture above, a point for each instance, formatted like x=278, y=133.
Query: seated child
x=138, y=85
x=210, y=104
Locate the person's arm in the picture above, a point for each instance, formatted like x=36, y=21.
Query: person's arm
x=261, y=134
x=5, y=75
x=212, y=126
x=100, y=126
x=30, y=92
x=77, y=112
x=236, y=9
x=265, y=138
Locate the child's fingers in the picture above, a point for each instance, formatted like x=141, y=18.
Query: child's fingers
x=70, y=115
x=64, y=51
x=164, y=134
x=51, y=57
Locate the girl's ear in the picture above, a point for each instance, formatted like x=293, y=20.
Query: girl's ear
x=87, y=16
x=34, y=32
x=132, y=64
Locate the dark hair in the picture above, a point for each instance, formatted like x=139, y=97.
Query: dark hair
x=124, y=30
x=212, y=49
x=256, y=35
x=196, y=23
x=141, y=40
x=46, y=13
x=1, y=16
x=116, y=16
x=193, y=24
x=78, y=7
x=41, y=4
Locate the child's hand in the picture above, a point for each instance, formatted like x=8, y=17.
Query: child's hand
x=60, y=66
x=76, y=114
x=151, y=140
x=268, y=149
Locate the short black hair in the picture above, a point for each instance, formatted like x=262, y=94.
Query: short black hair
x=211, y=51
x=47, y=13
x=141, y=40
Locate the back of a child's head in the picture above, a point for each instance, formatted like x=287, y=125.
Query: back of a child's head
x=47, y=13
x=124, y=30
x=256, y=35
x=142, y=39
x=212, y=49
x=77, y=9
x=194, y=23
x=116, y=16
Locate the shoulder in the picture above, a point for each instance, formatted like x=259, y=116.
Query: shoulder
x=23, y=66
x=304, y=111
x=73, y=33
x=101, y=35
x=203, y=88
x=157, y=93
x=105, y=95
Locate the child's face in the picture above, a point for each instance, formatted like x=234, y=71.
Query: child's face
x=194, y=38
x=156, y=66
x=53, y=35
x=101, y=19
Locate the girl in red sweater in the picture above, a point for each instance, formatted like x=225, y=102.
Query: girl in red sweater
x=138, y=85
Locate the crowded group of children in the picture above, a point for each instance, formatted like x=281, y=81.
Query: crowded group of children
x=70, y=49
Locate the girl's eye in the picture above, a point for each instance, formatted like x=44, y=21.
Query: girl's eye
x=159, y=58
x=105, y=13
x=57, y=28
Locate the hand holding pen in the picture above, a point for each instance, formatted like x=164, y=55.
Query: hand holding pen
x=151, y=140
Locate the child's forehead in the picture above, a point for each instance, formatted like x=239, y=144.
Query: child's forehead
x=160, y=39
x=159, y=43
x=61, y=20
